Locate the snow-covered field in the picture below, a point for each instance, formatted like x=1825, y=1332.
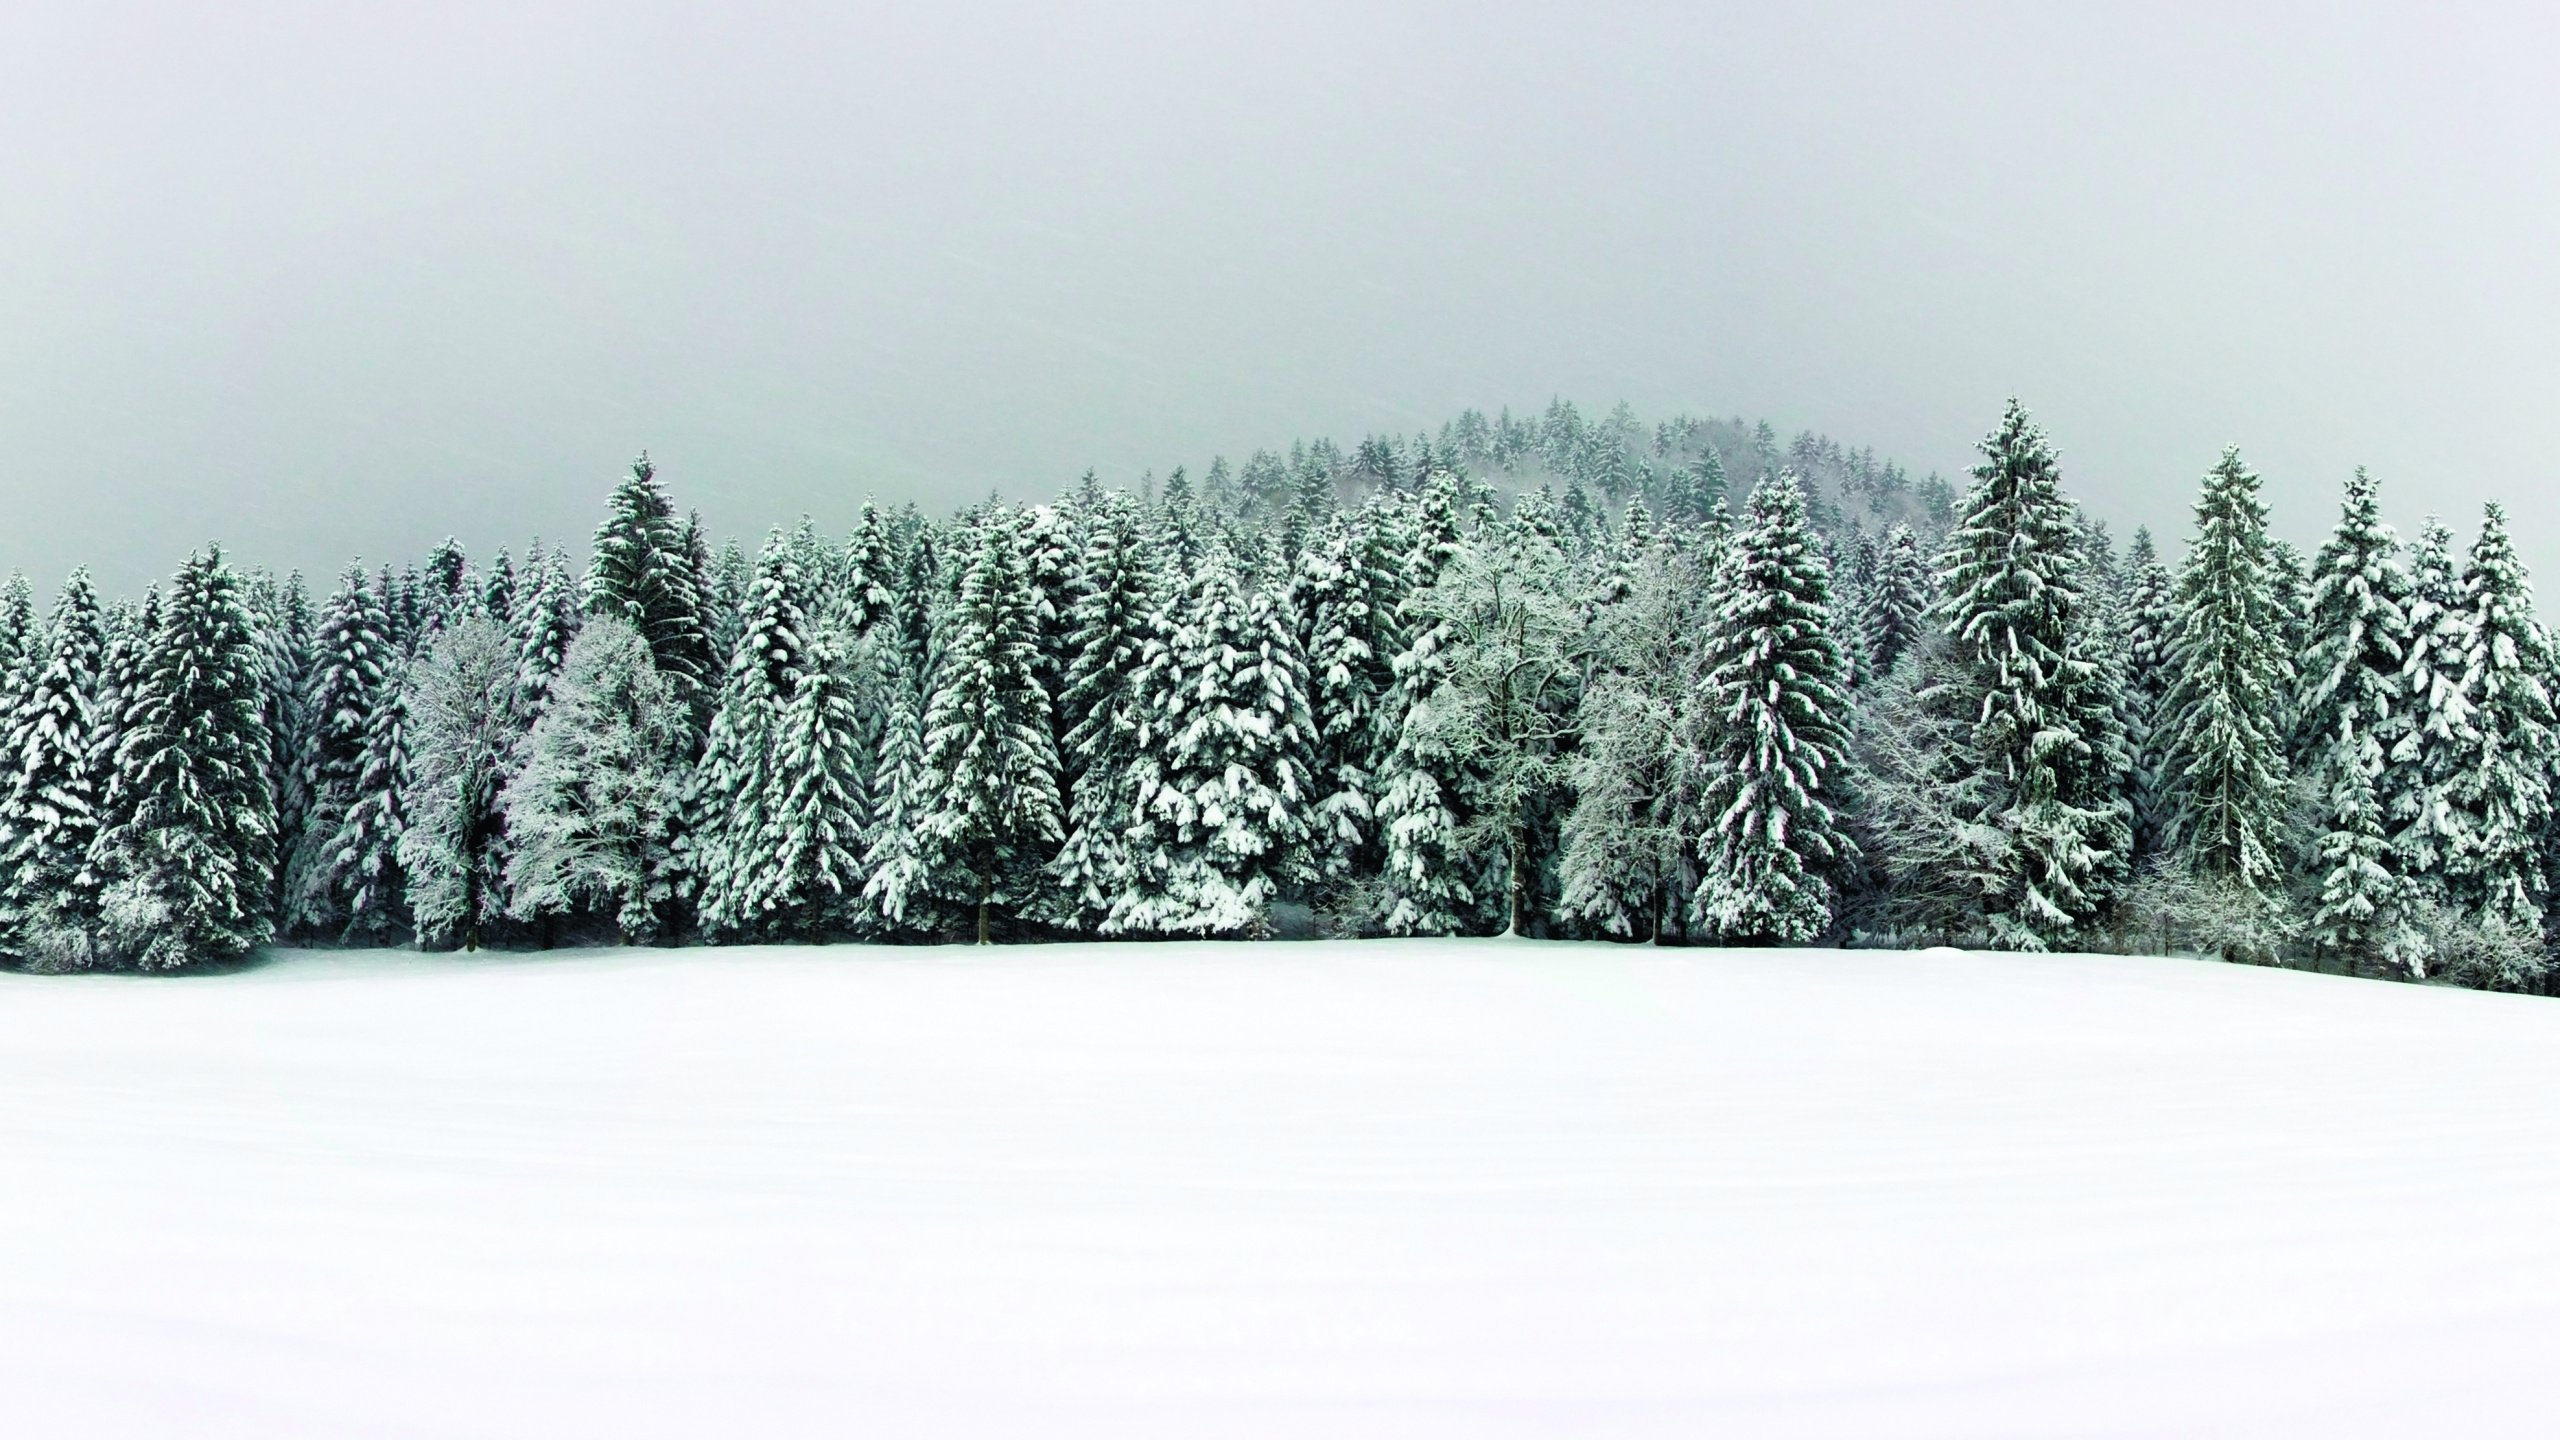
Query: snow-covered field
x=1427, y=1189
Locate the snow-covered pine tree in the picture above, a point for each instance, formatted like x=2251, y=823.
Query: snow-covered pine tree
x=2502, y=783
x=732, y=578
x=2229, y=676
x=644, y=571
x=2149, y=616
x=188, y=870
x=497, y=595
x=2418, y=783
x=285, y=638
x=462, y=738
x=1222, y=802
x=2011, y=599
x=733, y=853
x=2351, y=713
x=1113, y=622
x=867, y=576
x=896, y=890
x=352, y=659
x=1773, y=733
x=817, y=815
x=445, y=589
x=1897, y=602
x=365, y=854
x=987, y=739
x=130, y=632
x=1346, y=596
x=591, y=813
x=49, y=810
x=545, y=624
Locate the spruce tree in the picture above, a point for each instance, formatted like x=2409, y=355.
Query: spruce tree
x=188, y=870
x=1773, y=735
x=2011, y=600
x=896, y=890
x=2502, y=781
x=1896, y=611
x=544, y=625
x=2351, y=714
x=54, y=777
x=645, y=571
x=1221, y=808
x=1346, y=595
x=1104, y=708
x=2148, y=615
x=818, y=810
x=353, y=656
x=2426, y=760
x=365, y=853
x=737, y=779
x=987, y=738
x=2230, y=674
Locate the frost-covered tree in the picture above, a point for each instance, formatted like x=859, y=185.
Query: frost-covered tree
x=591, y=814
x=1479, y=768
x=2351, y=714
x=462, y=738
x=1896, y=609
x=364, y=862
x=734, y=855
x=987, y=740
x=645, y=572
x=2147, y=611
x=1346, y=595
x=2426, y=759
x=896, y=890
x=353, y=657
x=1222, y=799
x=544, y=624
x=1626, y=864
x=54, y=774
x=1113, y=622
x=188, y=870
x=1773, y=731
x=2011, y=600
x=2230, y=675
x=817, y=816
x=2501, y=781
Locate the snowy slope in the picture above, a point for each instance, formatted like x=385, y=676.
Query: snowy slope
x=1407, y=1189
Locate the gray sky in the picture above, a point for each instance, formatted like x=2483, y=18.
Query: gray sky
x=324, y=279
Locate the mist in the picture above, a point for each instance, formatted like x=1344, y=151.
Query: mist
x=324, y=282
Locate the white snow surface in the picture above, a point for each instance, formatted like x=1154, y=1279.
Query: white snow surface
x=1475, y=1189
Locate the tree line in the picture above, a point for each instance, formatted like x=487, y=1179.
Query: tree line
x=1555, y=677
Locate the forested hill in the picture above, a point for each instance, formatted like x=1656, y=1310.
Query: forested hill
x=1679, y=467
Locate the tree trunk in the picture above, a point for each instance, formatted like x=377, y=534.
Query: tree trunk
x=982, y=922
x=1519, y=882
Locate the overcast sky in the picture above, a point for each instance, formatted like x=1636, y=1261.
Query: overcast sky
x=327, y=279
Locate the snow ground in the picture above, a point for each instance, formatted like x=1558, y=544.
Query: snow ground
x=1391, y=1189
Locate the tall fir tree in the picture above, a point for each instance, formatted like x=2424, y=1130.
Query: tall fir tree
x=2429, y=754
x=353, y=659
x=818, y=814
x=1104, y=708
x=738, y=779
x=188, y=869
x=645, y=571
x=544, y=625
x=55, y=774
x=2352, y=712
x=987, y=738
x=2502, y=781
x=1221, y=822
x=1773, y=734
x=2011, y=600
x=2230, y=675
